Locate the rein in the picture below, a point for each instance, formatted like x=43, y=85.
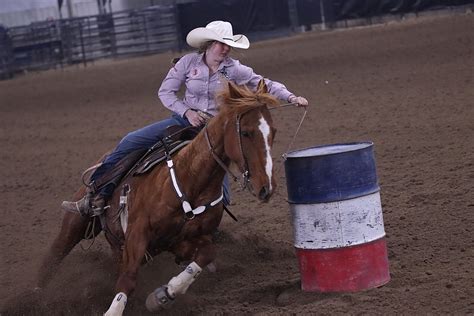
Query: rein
x=294, y=136
x=216, y=158
x=296, y=133
x=246, y=173
x=299, y=125
x=283, y=105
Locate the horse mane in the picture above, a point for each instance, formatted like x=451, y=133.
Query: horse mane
x=241, y=98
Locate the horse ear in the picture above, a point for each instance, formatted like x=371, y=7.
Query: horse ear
x=234, y=91
x=262, y=86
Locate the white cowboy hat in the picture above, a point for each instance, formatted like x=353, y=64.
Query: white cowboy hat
x=220, y=31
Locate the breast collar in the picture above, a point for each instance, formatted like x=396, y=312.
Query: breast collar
x=189, y=211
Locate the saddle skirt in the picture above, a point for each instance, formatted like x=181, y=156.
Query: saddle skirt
x=142, y=161
x=178, y=137
x=157, y=156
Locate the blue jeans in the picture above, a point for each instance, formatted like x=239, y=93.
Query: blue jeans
x=143, y=138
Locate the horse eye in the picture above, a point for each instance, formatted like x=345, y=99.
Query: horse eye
x=245, y=133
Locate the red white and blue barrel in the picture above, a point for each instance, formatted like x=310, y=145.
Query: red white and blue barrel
x=337, y=218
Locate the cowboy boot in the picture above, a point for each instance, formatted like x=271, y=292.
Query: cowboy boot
x=88, y=206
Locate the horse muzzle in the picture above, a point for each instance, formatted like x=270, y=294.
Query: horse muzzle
x=264, y=194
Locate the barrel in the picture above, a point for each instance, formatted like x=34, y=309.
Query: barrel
x=338, y=228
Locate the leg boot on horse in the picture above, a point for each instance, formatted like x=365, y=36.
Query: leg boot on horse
x=203, y=252
x=163, y=297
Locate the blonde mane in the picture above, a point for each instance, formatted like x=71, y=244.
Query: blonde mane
x=240, y=98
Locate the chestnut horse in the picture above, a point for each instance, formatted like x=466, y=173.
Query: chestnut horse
x=160, y=209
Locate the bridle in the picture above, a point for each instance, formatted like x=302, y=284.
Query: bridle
x=245, y=172
x=245, y=176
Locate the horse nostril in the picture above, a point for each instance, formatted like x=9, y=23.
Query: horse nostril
x=264, y=193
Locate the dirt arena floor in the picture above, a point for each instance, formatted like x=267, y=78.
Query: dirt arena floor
x=407, y=86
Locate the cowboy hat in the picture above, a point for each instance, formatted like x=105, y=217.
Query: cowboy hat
x=220, y=31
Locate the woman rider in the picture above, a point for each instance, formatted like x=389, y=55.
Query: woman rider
x=203, y=73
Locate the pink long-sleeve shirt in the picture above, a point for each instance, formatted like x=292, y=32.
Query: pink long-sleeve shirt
x=201, y=87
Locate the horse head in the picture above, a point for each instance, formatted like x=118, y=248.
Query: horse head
x=249, y=134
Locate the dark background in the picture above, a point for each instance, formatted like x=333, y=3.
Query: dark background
x=258, y=15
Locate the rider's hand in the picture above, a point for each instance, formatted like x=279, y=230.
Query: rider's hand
x=194, y=118
x=300, y=101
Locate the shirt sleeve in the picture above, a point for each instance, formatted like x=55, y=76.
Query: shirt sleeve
x=246, y=76
x=171, y=84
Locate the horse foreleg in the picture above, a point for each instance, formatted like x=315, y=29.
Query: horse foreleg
x=135, y=247
x=72, y=231
x=164, y=296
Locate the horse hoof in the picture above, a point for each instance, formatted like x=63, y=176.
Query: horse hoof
x=159, y=299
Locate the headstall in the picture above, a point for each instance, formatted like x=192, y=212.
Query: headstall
x=245, y=176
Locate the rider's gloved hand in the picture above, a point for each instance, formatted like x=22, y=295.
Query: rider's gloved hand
x=301, y=101
x=194, y=118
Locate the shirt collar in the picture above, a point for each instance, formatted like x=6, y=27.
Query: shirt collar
x=225, y=63
x=201, y=59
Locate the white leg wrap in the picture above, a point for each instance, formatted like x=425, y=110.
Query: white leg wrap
x=117, y=306
x=180, y=283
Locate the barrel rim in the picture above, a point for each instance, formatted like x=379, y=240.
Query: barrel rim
x=294, y=153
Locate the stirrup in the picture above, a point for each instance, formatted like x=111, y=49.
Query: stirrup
x=96, y=211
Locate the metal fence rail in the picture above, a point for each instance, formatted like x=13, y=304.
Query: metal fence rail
x=50, y=44
x=37, y=46
x=80, y=40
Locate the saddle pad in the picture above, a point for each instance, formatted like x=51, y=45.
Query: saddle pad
x=158, y=156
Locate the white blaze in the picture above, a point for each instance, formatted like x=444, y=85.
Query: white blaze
x=265, y=129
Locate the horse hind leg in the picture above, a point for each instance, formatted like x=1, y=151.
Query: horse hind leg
x=72, y=231
x=163, y=297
